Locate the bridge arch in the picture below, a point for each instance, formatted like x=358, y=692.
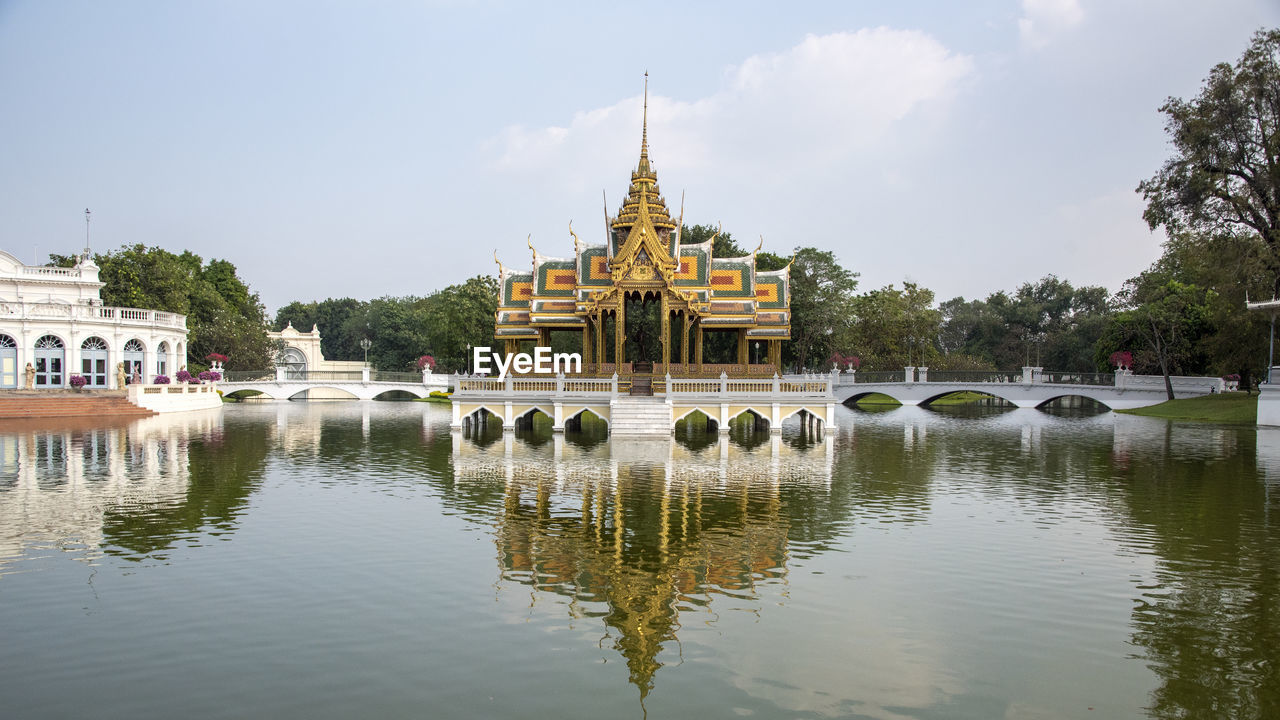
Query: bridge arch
x=854, y=398
x=955, y=391
x=398, y=391
x=304, y=393
x=1086, y=395
x=760, y=414
x=576, y=413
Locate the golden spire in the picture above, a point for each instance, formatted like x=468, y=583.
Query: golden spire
x=644, y=127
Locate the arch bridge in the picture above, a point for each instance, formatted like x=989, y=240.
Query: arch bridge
x=1031, y=388
x=283, y=383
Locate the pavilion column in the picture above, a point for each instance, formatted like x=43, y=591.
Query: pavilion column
x=544, y=337
x=620, y=332
x=510, y=347
x=742, y=346
x=586, y=341
x=775, y=355
x=666, y=336
x=684, y=339
x=600, y=318
x=697, y=343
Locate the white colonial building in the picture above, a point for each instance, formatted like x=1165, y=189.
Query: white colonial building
x=53, y=319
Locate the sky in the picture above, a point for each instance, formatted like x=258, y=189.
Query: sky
x=365, y=149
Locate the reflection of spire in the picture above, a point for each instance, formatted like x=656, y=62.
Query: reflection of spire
x=644, y=543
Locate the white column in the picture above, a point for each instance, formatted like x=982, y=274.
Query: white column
x=909, y=374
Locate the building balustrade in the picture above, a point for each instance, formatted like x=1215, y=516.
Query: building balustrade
x=95, y=313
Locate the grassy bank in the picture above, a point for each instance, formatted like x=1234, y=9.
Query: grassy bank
x=1235, y=407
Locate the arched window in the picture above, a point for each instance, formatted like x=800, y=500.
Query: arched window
x=94, y=361
x=49, y=356
x=162, y=359
x=295, y=364
x=133, y=359
x=8, y=362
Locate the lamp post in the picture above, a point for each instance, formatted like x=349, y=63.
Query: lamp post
x=467, y=359
x=365, y=344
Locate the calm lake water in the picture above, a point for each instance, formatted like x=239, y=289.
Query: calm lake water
x=337, y=560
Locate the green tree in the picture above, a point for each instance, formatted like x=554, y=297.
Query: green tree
x=723, y=247
x=821, y=306
x=1166, y=316
x=223, y=314
x=461, y=315
x=1224, y=176
x=895, y=327
x=339, y=339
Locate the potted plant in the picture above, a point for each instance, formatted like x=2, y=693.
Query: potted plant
x=77, y=382
x=162, y=380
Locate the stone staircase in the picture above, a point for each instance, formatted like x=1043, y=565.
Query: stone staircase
x=639, y=415
x=20, y=405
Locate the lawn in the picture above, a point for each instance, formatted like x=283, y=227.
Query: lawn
x=1234, y=407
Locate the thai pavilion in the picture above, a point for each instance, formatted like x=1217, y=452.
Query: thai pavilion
x=644, y=259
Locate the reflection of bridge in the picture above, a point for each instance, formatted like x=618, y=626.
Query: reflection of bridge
x=1032, y=387
x=283, y=383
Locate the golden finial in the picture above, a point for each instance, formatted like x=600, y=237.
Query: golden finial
x=577, y=244
x=753, y=252
x=501, y=270
x=644, y=122
x=680, y=225
x=793, y=259
x=713, y=237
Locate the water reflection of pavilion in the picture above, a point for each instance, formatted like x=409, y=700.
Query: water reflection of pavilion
x=58, y=485
x=637, y=532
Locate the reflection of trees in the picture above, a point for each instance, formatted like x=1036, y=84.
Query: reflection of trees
x=224, y=469
x=1210, y=624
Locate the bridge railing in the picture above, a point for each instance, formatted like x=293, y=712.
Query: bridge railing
x=1075, y=378
x=400, y=377
x=249, y=375
x=972, y=376
x=876, y=376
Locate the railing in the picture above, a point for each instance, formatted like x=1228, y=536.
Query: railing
x=877, y=376
x=400, y=377
x=56, y=271
x=249, y=375
x=1075, y=378
x=969, y=376
x=92, y=313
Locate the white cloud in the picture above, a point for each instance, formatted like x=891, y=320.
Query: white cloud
x=810, y=105
x=1042, y=19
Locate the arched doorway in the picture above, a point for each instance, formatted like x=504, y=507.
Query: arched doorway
x=49, y=356
x=134, y=355
x=294, y=363
x=93, y=361
x=162, y=359
x=8, y=362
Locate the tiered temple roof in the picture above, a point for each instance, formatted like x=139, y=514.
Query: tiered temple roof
x=643, y=254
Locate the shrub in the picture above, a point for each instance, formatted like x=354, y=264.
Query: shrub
x=426, y=361
x=439, y=394
x=1122, y=359
x=162, y=380
x=78, y=381
x=205, y=376
x=184, y=377
x=216, y=357
x=215, y=376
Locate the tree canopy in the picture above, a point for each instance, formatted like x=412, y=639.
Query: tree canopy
x=1224, y=175
x=223, y=314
